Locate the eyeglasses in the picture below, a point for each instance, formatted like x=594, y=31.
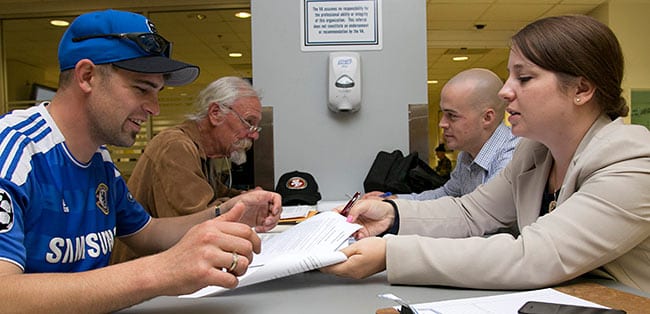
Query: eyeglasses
x=251, y=128
x=151, y=43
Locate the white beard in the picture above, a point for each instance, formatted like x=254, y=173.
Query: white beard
x=238, y=156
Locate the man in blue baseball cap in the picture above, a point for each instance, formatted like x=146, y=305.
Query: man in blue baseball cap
x=63, y=201
x=126, y=40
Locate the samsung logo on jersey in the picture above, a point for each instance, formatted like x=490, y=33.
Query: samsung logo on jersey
x=70, y=250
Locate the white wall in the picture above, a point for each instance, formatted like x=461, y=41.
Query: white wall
x=336, y=148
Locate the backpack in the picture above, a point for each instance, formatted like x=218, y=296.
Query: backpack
x=423, y=178
x=379, y=171
x=393, y=172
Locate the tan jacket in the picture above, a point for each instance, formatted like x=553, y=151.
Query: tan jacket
x=174, y=177
x=602, y=222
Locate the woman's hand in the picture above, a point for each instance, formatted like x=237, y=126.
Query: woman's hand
x=365, y=258
x=373, y=215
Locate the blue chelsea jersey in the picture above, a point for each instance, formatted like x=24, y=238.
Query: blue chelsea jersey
x=57, y=214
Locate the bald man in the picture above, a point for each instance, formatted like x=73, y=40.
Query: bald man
x=472, y=122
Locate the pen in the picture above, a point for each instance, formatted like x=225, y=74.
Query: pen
x=387, y=194
x=405, y=307
x=348, y=206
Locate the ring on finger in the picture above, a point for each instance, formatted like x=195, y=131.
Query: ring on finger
x=235, y=260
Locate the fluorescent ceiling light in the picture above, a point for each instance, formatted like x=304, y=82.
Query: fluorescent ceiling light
x=59, y=23
x=243, y=15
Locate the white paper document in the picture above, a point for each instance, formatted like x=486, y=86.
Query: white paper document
x=501, y=304
x=311, y=244
x=297, y=211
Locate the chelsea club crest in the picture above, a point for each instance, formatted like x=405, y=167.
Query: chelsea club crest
x=101, y=198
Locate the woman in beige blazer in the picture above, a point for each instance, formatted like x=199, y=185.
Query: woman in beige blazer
x=576, y=188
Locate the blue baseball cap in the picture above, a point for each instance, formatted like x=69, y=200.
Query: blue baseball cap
x=125, y=39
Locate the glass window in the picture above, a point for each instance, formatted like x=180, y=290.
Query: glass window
x=640, y=108
x=201, y=37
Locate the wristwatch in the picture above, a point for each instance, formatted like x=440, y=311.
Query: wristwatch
x=217, y=211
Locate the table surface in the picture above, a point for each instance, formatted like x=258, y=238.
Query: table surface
x=316, y=292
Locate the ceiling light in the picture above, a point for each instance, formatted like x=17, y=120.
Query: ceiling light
x=243, y=15
x=235, y=54
x=463, y=58
x=59, y=23
x=432, y=82
x=200, y=16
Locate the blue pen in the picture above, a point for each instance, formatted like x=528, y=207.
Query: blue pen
x=386, y=194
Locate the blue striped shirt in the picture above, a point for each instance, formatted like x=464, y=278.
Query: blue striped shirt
x=58, y=214
x=470, y=173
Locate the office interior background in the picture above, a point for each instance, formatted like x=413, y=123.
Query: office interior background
x=400, y=83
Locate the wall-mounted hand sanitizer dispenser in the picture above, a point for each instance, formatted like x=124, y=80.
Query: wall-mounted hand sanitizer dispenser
x=344, y=82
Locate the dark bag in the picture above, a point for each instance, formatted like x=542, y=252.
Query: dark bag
x=377, y=175
x=397, y=181
x=393, y=172
x=423, y=178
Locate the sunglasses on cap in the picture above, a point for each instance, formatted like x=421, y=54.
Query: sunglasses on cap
x=151, y=43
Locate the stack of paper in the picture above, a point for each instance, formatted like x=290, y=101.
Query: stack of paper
x=296, y=211
x=311, y=244
x=296, y=214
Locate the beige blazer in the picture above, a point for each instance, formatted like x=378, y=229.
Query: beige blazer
x=602, y=221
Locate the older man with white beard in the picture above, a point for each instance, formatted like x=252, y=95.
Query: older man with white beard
x=183, y=168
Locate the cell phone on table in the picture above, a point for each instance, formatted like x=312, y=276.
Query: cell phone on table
x=536, y=307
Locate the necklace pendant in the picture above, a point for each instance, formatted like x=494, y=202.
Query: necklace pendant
x=552, y=205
